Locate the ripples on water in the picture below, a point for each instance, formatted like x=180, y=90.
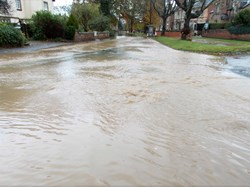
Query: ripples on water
x=122, y=112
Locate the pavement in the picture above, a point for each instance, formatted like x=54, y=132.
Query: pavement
x=33, y=46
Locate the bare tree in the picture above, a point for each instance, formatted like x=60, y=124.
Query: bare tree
x=5, y=7
x=192, y=9
x=130, y=10
x=164, y=8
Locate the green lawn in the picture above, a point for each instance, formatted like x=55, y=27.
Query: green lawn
x=207, y=45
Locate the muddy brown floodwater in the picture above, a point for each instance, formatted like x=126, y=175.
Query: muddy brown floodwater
x=125, y=112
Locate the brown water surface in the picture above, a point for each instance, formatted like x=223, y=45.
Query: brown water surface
x=122, y=112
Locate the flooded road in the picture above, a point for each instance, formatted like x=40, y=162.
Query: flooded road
x=126, y=112
x=239, y=65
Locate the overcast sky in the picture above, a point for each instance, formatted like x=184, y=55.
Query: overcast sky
x=62, y=2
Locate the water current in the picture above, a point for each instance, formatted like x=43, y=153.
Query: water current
x=125, y=112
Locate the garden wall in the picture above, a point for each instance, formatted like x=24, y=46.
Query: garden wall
x=225, y=34
x=170, y=34
x=90, y=36
x=102, y=35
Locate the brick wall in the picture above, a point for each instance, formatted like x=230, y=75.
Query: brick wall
x=84, y=36
x=170, y=34
x=102, y=35
x=90, y=36
x=225, y=34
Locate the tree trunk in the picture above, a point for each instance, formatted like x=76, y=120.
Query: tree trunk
x=186, y=30
x=131, y=25
x=164, y=20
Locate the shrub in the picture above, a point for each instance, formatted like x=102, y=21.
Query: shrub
x=10, y=36
x=72, y=21
x=228, y=25
x=100, y=23
x=85, y=12
x=217, y=26
x=242, y=18
x=71, y=27
x=112, y=33
x=241, y=23
x=47, y=26
x=70, y=32
x=239, y=29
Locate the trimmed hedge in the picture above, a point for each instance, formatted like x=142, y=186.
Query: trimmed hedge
x=219, y=25
x=10, y=36
x=239, y=29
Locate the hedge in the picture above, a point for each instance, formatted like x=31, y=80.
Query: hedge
x=219, y=25
x=10, y=36
x=239, y=29
x=47, y=26
x=241, y=23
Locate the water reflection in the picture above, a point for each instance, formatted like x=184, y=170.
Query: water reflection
x=239, y=65
x=122, y=112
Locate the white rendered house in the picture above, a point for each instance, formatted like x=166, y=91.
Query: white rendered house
x=24, y=9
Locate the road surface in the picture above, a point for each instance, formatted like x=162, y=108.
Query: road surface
x=125, y=112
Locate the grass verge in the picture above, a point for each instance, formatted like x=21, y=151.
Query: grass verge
x=208, y=46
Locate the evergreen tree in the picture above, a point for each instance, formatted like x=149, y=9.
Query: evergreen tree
x=72, y=21
x=105, y=7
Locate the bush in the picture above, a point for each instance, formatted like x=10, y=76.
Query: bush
x=84, y=13
x=71, y=27
x=72, y=21
x=228, y=25
x=217, y=26
x=100, y=23
x=10, y=36
x=241, y=23
x=239, y=29
x=242, y=18
x=70, y=32
x=47, y=26
x=112, y=33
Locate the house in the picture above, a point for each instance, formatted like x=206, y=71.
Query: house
x=179, y=17
x=220, y=11
x=223, y=11
x=77, y=1
x=24, y=9
x=176, y=21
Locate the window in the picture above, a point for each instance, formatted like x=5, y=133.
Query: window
x=45, y=5
x=18, y=5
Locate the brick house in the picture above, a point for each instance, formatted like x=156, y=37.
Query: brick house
x=176, y=21
x=223, y=11
x=220, y=11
